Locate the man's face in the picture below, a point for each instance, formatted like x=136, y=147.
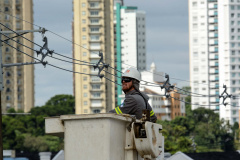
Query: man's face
x=127, y=84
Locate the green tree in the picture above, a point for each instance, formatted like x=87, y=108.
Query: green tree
x=27, y=133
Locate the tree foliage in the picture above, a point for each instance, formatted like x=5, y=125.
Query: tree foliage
x=27, y=133
x=200, y=130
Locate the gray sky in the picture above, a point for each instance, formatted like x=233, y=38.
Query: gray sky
x=166, y=32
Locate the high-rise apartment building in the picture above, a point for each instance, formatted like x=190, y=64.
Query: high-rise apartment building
x=18, y=82
x=214, y=28
x=93, y=30
x=130, y=40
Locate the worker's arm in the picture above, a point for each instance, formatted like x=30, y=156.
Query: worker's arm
x=129, y=107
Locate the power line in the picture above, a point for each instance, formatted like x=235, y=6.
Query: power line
x=19, y=35
x=94, y=52
x=88, y=62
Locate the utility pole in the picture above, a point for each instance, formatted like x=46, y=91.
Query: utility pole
x=1, y=86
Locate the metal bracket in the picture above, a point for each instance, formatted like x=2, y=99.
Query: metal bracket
x=44, y=47
x=102, y=67
x=225, y=96
x=167, y=86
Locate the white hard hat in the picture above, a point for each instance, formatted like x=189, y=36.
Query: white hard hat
x=132, y=73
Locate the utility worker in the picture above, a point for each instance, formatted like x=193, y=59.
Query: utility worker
x=135, y=101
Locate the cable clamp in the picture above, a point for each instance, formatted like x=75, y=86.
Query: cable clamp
x=225, y=96
x=46, y=49
x=167, y=86
x=100, y=68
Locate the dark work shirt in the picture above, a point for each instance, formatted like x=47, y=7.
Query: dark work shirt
x=134, y=104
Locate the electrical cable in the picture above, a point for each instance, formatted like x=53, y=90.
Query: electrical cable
x=88, y=49
x=40, y=46
x=20, y=35
x=70, y=61
x=93, y=52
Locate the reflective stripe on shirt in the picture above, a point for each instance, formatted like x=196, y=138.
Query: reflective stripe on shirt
x=118, y=110
x=151, y=113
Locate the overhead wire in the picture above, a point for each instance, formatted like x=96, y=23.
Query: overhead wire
x=88, y=49
x=97, y=53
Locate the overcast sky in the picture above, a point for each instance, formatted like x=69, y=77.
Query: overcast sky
x=166, y=33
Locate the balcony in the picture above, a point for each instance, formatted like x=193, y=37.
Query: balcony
x=213, y=35
x=212, y=6
x=213, y=20
x=213, y=42
x=213, y=28
x=212, y=13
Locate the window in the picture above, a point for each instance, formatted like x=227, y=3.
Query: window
x=6, y=9
x=95, y=29
x=83, y=13
x=96, y=111
x=85, y=111
x=195, y=26
x=83, y=21
x=96, y=94
x=238, y=7
x=232, y=37
x=195, y=54
x=232, y=30
x=7, y=17
x=233, y=74
x=8, y=81
x=233, y=52
x=8, y=98
x=233, y=59
x=94, y=13
x=85, y=103
x=19, y=73
x=232, y=22
x=194, y=4
x=85, y=94
x=94, y=4
x=233, y=67
x=8, y=74
x=195, y=69
x=232, y=7
x=84, y=86
x=233, y=82
x=96, y=86
x=94, y=37
x=84, y=53
x=232, y=15
x=83, y=4
x=94, y=21
x=233, y=44
x=84, y=78
x=8, y=90
x=84, y=38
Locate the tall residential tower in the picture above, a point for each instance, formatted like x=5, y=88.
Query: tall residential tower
x=93, y=30
x=130, y=40
x=18, y=92
x=214, y=28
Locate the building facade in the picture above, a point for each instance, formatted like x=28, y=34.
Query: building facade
x=18, y=82
x=130, y=41
x=214, y=28
x=93, y=30
x=164, y=108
